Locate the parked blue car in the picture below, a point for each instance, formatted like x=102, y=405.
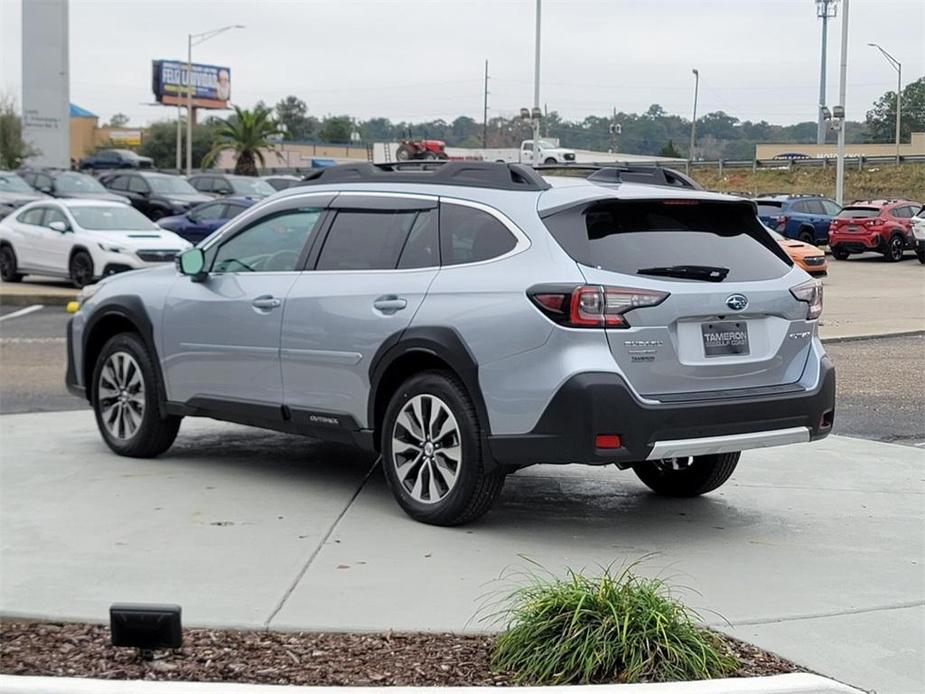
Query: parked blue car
x=203, y=219
x=802, y=217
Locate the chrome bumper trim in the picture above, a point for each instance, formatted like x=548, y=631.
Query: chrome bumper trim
x=728, y=444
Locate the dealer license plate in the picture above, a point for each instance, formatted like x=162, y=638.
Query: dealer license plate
x=725, y=338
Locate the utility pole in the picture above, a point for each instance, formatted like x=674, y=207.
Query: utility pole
x=825, y=10
x=898, y=66
x=536, y=88
x=840, y=163
x=485, y=111
x=690, y=154
x=179, y=139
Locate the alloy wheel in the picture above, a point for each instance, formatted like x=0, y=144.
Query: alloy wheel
x=896, y=248
x=121, y=395
x=426, y=448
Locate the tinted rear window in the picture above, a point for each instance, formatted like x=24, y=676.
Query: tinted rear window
x=628, y=236
x=768, y=209
x=858, y=212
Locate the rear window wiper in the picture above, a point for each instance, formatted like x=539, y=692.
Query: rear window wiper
x=707, y=273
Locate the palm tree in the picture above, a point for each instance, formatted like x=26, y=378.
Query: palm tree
x=248, y=133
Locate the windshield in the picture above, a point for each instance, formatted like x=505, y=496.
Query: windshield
x=171, y=184
x=78, y=183
x=251, y=186
x=11, y=183
x=859, y=212
x=112, y=218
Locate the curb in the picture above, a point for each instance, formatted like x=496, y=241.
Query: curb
x=873, y=336
x=795, y=683
x=30, y=299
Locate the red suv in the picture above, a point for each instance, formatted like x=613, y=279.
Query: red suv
x=882, y=226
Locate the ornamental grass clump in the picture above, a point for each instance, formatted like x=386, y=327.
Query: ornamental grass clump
x=616, y=627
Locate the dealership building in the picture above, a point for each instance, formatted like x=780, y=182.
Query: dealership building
x=914, y=147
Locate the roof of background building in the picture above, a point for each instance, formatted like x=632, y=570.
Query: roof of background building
x=78, y=112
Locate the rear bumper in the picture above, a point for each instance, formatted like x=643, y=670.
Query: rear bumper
x=595, y=403
x=856, y=243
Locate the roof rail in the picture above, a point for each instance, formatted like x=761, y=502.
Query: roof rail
x=653, y=175
x=477, y=174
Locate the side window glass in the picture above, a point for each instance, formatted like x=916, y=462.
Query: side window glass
x=421, y=247
x=137, y=185
x=53, y=214
x=33, y=216
x=232, y=211
x=201, y=184
x=799, y=207
x=210, y=212
x=119, y=183
x=366, y=239
x=274, y=244
x=831, y=208
x=468, y=235
x=815, y=206
x=44, y=182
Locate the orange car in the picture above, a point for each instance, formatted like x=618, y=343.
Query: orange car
x=807, y=256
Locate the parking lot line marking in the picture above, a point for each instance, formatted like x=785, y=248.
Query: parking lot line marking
x=22, y=312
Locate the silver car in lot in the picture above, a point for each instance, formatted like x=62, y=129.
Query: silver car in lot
x=468, y=320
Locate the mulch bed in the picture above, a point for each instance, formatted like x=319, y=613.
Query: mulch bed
x=215, y=655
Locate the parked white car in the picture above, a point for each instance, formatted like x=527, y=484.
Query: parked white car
x=918, y=231
x=81, y=239
x=549, y=150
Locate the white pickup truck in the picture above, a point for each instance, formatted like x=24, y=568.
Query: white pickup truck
x=550, y=153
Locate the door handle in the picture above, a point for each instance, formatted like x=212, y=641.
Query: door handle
x=390, y=303
x=266, y=302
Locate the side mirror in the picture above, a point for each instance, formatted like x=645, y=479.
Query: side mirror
x=192, y=263
x=45, y=189
x=60, y=227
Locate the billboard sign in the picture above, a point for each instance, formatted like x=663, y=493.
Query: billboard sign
x=211, y=84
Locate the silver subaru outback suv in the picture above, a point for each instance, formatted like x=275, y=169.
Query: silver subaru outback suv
x=467, y=320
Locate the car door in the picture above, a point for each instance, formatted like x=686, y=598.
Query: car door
x=56, y=245
x=139, y=192
x=379, y=254
x=221, y=335
x=27, y=237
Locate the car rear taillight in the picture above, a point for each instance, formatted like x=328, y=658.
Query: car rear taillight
x=591, y=305
x=876, y=221
x=811, y=293
x=781, y=223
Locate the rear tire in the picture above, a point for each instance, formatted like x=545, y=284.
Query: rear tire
x=895, y=249
x=124, y=391
x=9, y=265
x=839, y=253
x=404, y=153
x=81, y=269
x=687, y=476
x=806, y=236
x=432, y=452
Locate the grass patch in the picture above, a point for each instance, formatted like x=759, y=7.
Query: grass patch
x=615, y=627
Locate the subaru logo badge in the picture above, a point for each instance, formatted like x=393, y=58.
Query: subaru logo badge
x=737, y=302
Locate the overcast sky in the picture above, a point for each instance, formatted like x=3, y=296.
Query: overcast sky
x=424, y=59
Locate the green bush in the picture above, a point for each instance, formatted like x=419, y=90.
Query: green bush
x=616, y=627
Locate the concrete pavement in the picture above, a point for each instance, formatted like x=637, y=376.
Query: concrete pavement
x=814, y=551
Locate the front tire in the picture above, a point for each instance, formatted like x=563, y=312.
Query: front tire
x=895, y=249
x=920, y=252
x=432, y=452
x=81, y=269
x=687, y=476
x=550, y=160
x=125, y=400
x=9, y=265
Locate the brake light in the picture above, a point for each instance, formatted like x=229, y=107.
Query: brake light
x=876, y=221
x=591, y=306
x=811, y=293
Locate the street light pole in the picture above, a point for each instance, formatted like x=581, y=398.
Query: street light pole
x=536, y=87
x=840, y=162
x=690, y=153
x=179, y=139
x=195, y=40
x=825, y=10
x=899, y=90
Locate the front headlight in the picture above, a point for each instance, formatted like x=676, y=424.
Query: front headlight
x=111, y=248
x=811, y=293
x=86, y=293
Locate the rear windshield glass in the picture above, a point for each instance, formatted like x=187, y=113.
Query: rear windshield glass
x=642, y=235
x=77, y=183
x=768, y=209
x=859, y=212
x=171, y=184
x=11, y=183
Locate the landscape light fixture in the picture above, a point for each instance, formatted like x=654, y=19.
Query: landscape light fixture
x=145, y=627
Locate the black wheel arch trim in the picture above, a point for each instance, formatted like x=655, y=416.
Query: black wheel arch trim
x=441, y=342
x=131, y=309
